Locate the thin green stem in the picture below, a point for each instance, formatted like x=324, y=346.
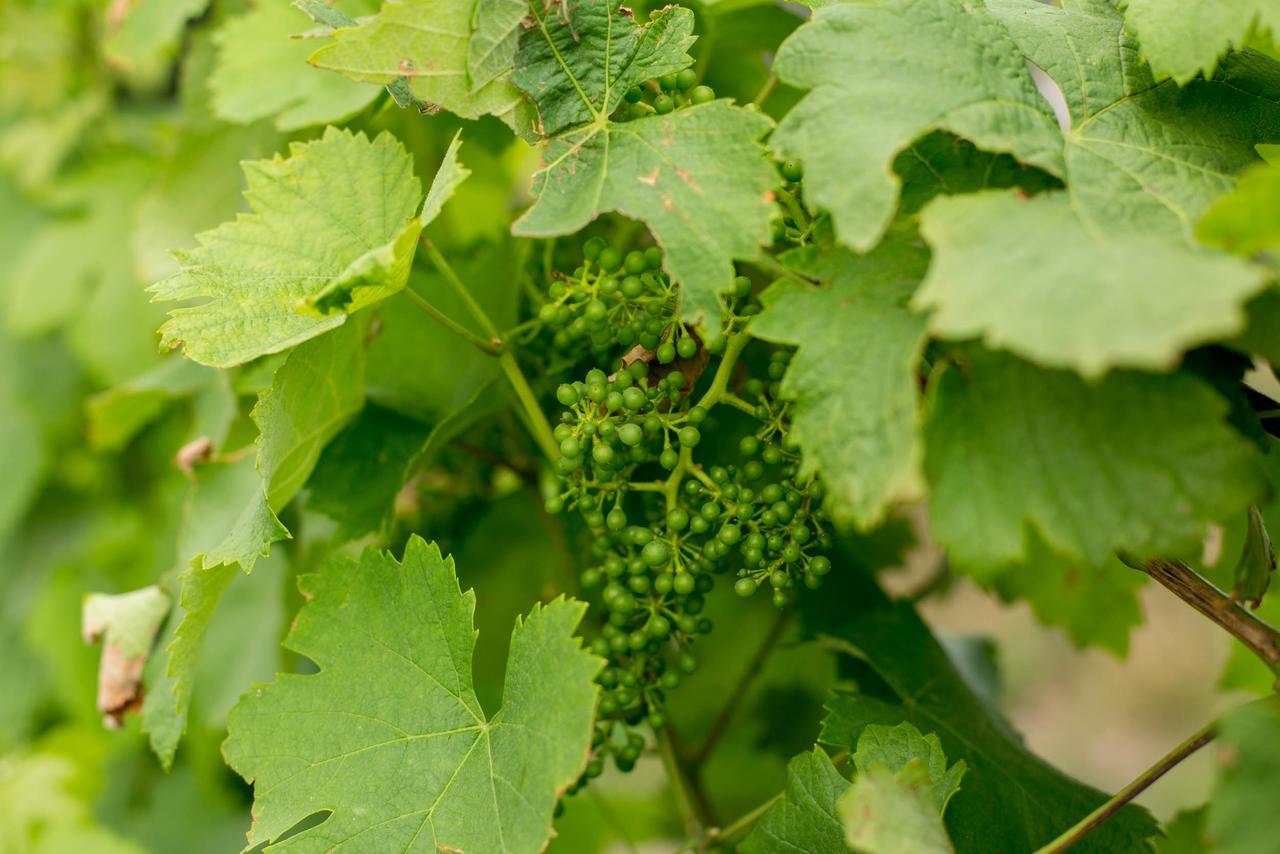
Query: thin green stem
x=766, y=90
x=1073, y=835
x=535, y=419
x=745, y=823
x=679, y=785
x=452, y=325
x=720, y=382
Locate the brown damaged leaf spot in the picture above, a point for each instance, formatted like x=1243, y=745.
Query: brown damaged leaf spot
x=651, y=179
x=120, y=688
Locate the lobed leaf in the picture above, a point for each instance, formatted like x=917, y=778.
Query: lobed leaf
x=389, y=738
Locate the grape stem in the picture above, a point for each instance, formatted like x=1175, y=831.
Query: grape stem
x=743, y=824
x=1197, y=591
x=695, y=817
x=535, y=419
x=452, y=325
x=1117, y=802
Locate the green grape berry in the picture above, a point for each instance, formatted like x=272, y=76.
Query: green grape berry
x=631, y=434
x=609, y=259
x=687, y=347
x=745, y=587
x=666, y=353
x=791, y=170
x=685, y=79
x=702, y=95
x=663, y=104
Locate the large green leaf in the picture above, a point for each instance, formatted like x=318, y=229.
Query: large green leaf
x=911, y=678
x=1183, y=38
x=262, y=72
x=1094, y=605
x=881, y=75
x=697, y=177
x=1143, y=161
x=806, y=818
x=389, y=737
x=318, y=389
x=332, y=230
x=427, y=42
x=1242, y=817
x=854, y=376
x=1059, y=301
x=1138, y=462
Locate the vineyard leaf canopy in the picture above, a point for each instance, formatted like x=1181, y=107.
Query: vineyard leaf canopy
x=1139, y=462
x=1143, y=161
x=1182, y=39
x=389, y=737
x=428, y=42
x=332, y=229
x=262, y=72
x=856, y=425
x=1003, y=778
x=698, y=177
x=896, y=801
x=881, y=75
x=1246, y=221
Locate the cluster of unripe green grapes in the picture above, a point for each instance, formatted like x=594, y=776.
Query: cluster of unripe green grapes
x=664, y=94
x=664, y=526
x=614, y=300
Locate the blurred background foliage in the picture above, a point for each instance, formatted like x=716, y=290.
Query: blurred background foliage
x=122, y=126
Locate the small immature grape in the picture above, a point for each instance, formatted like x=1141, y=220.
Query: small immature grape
x=609, y=259
x=592, y=248
x=635, y=262
x=663, y=104
x=686, y=347
x=666, y=353
x=684, y=584
x=655, y=553
x=590, y=577
x=570, y=447
x=702, y=95
x=741, y=287
x=685, y=79
x=677, y=519
x=630, y=434
x=554, y=504
x=749, y=446
x=668, y=82
x=688, y=663
x=616, y=520
x=603, y=454
x=730, y=534
x=633, y=95
x=632, y=287
x=745, y=587
x=820, y=565
x=657, y=720
x=675, y=380
x=567, y=394
x=653, y=257
x=634, y=399
x=781, y=599
x=668, y=458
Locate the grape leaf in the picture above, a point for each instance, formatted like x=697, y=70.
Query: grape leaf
x=919, y=683
x=262, y=72
x=126, y=623
x=805, y=819
x=853, y=377
x=389, y=738
x=577, y=64
x=894, y=747
x=22, y=447
x=1241, y=817
x=1074, y=291
x=1143, y=161
x=332, y=230
x=171, y=677
x=1137, y=462
x=1247, y=220
x=356, y=479
x=697, y=176
x=891, y=813
x=1093, y=604
x=427, y=42
x=881, y=75
x=1183, y=38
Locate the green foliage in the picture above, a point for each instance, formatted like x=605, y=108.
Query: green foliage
x=424, y=759
x=731, y=312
